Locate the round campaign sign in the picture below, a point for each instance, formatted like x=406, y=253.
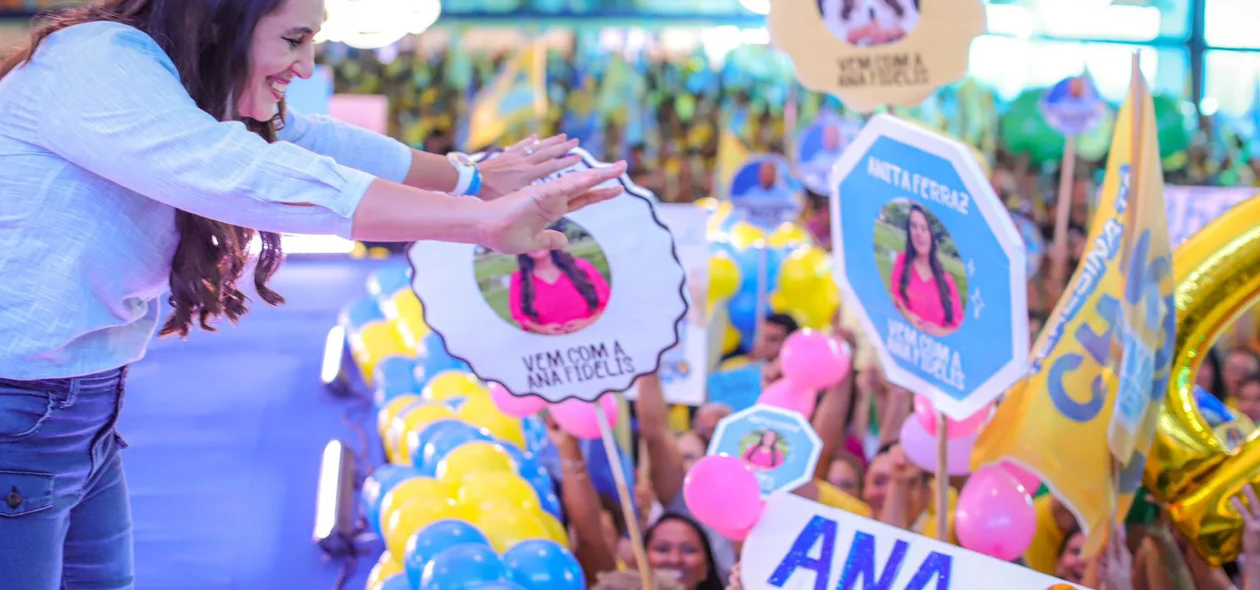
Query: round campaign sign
x=933, y=263
x=779, y=445
x=560, y=324
x=874, y=53
x=1073, y=106
x=763, y=191
x=820, y=147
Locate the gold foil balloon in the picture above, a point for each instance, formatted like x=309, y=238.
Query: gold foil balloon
x=1218, y=278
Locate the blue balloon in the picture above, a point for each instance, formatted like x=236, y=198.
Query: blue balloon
x=749, y=261
x=357, y=314
x=545, y=487
x=463, y=566
x=443, y=441
x=600, y=468
x=379, y=483
x=542, y=564
x=394, y=376
x=434, y=539
x=1214, y=412
x=389, y=279
x=415, y=444
x=497, y=585
x=396, y=582
x=432, y=345
x=742, y=309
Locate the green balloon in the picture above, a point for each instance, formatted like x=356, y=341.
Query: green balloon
x=1175, y=124
x=1024, y=130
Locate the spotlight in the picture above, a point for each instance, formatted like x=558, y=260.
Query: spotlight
x=334, y=371
x=334, y=504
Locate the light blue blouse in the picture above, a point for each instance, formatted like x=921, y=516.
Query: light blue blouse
x=99, y=146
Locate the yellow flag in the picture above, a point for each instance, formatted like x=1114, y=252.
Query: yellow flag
x=516, y=97
x=1084, y=418
x=731, y=155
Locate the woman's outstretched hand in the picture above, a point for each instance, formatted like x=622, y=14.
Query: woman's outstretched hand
x=523, y=163
x=519, y=222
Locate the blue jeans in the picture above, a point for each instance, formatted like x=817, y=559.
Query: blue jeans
x=65, y=518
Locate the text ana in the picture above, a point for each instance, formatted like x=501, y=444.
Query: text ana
x=577, y=364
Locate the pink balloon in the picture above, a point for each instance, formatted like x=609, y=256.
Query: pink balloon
x=1026, y=478
x=814, y=360
x=518, y=406
x=578, y=418
x=995, y=515
x=920, y=448
x=722, y=492
x=925, y=411
x=738, y=534
x=789, y=395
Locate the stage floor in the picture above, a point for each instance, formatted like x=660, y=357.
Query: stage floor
x=226, y=433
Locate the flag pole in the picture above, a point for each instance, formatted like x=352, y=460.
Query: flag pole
x=942, y=477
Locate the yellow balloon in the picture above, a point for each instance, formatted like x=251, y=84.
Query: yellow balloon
x=734, y=362
x=404, y=523
x=472, y=458
x=505, y=528
x=376, y=342
x=414, y=419
x=386, y=567
x=744, y=235
x=1217, y=274
x=709, y=203
x=719, y=216
x=731, y=339
x=788, y=234
x=392, y=409
x=453, y=384
x=405, y=309
x=724, y=277
x=798, y=274
x=494, y=490
x=555, y=531
x=481, y=412
x=416, y=489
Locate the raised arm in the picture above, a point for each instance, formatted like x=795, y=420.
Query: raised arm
x=666, y=462
x=108, y=100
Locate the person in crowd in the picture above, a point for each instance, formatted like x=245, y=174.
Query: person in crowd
x=774, y=331
x=679, y=546
x=707, y=417
x=554, y=292
x=1072, y=565
x=1248, y=397
x=1239, y=364
x=595, y=527
x=1210, y=376
x=846, y=473
x=631, y=580
x=922, y=290
x=148, y=147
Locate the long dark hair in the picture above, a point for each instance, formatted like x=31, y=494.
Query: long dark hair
x=934, y=262
x=848, y=6
x=567, y=265
x=712, y=581
x=209, y=42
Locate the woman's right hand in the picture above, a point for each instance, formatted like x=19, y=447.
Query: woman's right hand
x=735, y=583
x=519, y=222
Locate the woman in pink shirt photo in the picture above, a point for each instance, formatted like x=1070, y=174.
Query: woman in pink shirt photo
x=555, y=292
x=765, y=454
x=921, y=288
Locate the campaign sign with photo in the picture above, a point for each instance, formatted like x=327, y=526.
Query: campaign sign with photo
x=820, y=147
x=1073, y=106
x=934, y=267
x=1034, y=242
x=560, y=324
x=737, y=388
x=780, y=446
x=764, y=193
x=798, y=544
x=1190, y=208
x=872, y=53
x=683, y=367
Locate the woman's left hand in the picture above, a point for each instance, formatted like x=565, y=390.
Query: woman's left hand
x=523, y=163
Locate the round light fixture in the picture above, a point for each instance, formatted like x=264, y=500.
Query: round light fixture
x=372, y=24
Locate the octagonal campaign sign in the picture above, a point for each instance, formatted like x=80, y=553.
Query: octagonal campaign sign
x=561, y=324
x=780, y=446
x=932, y=263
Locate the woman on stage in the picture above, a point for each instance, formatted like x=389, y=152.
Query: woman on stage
x=555, y=292
x=143, y=145
x=921, y=288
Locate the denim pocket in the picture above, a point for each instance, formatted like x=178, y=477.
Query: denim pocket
x=22, y=411
x=25, y=492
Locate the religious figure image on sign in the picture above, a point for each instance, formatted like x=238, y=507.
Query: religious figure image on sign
x=869, y=22
x=763, y=449
x=547, y=291
x=921, y=267
x=764, y=193
x=820, y=147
